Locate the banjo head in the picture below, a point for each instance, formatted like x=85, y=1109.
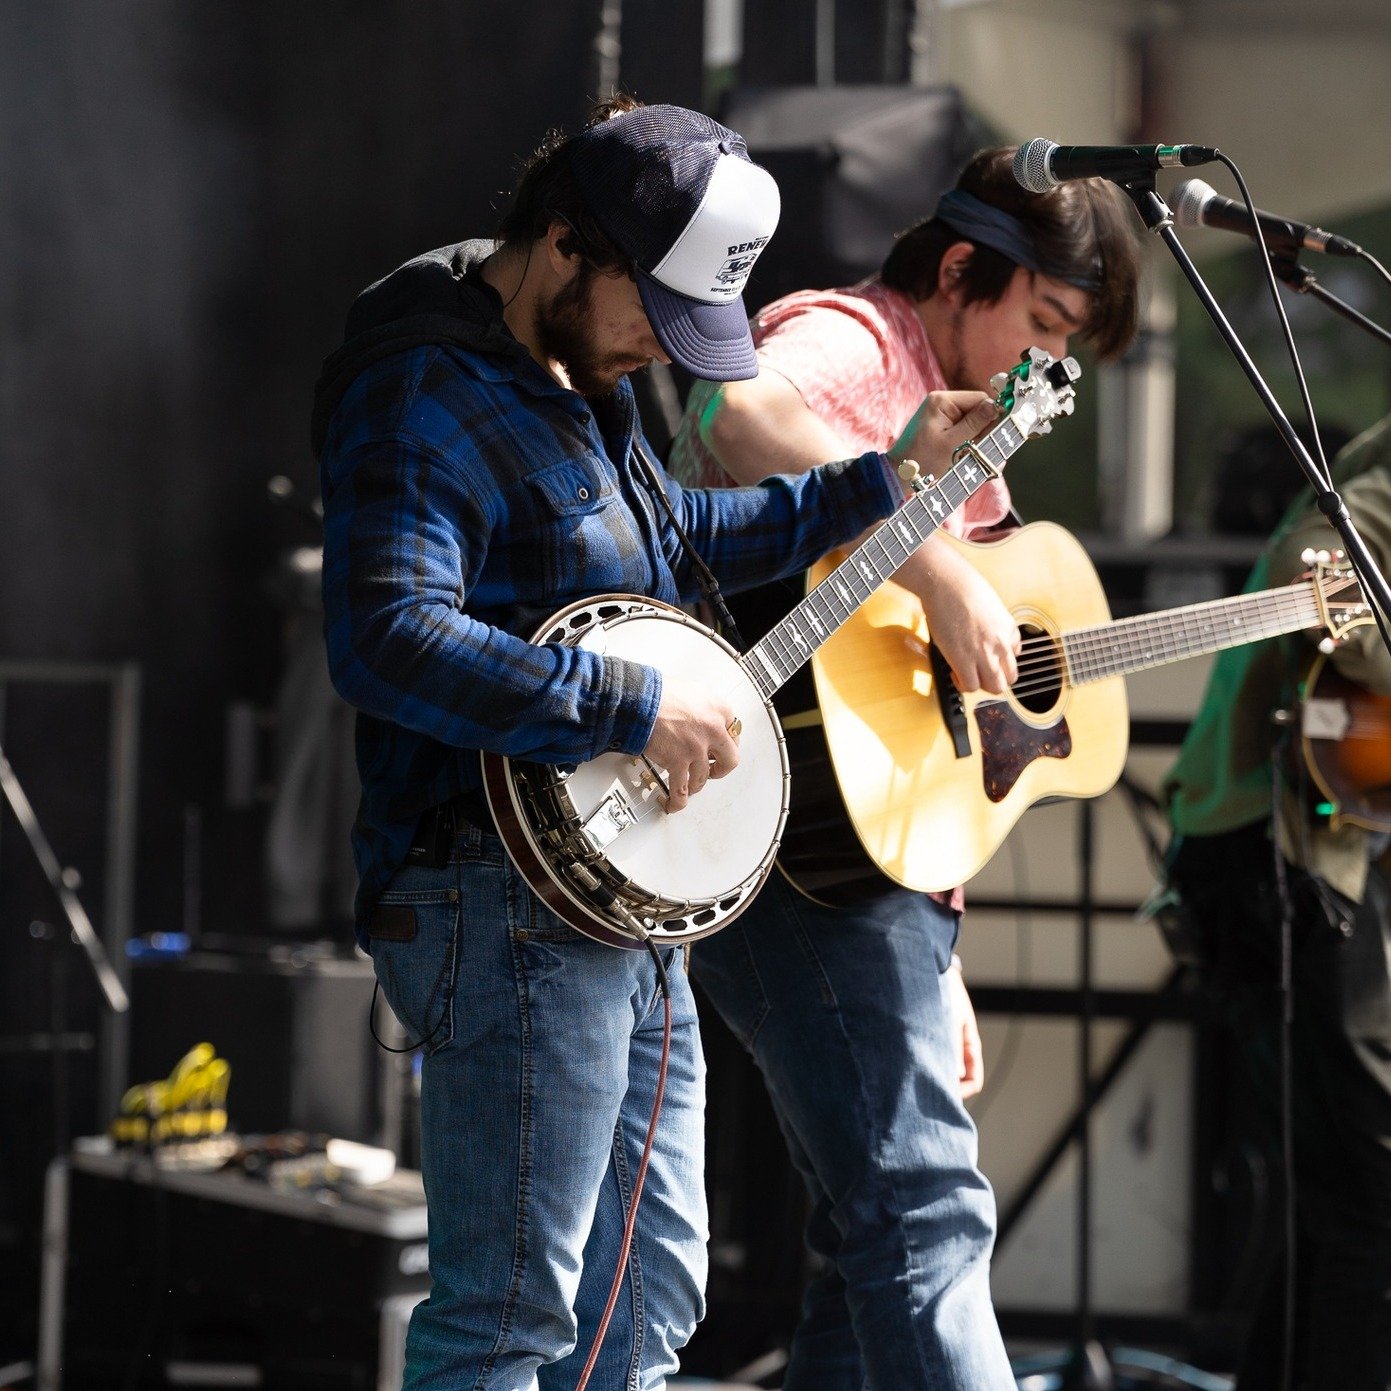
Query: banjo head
x=728, y=832
x=597, y=844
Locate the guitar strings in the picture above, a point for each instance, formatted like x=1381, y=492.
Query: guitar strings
x=1361, y=727
x=1043, y=655
x=1043, y=660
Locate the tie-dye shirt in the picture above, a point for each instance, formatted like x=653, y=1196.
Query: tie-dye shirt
x=860, y=359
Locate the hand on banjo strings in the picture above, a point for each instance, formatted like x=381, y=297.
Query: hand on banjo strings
x=693, y=739
x=944, y=420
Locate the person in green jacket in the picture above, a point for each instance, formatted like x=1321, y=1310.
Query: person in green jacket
x=1236, y=792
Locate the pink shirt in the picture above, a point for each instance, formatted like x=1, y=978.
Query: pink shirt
x=860, y=358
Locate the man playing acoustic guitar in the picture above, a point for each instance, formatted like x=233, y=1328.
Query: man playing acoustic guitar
x=857, y=1017
x=1231, y=785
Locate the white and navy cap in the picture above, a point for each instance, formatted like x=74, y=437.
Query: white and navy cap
x=678, y=193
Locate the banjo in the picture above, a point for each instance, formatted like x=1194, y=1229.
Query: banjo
x=594, y=841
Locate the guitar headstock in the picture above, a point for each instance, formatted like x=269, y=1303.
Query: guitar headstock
x=1342, y=605
x=1036, y=391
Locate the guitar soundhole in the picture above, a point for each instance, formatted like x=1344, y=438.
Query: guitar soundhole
x=1040, y=681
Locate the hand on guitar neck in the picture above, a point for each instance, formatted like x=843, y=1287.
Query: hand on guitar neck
x=691, y=741
x=945, y=420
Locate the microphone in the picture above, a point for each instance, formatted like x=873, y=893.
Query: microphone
x=1197, y=204
x=1041, y=165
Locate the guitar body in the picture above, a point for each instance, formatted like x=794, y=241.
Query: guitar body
x=929, y=806
x=1345, y=737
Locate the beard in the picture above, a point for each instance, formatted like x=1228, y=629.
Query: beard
x=565, y=333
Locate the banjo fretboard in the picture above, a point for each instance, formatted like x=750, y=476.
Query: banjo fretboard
x=788, y=645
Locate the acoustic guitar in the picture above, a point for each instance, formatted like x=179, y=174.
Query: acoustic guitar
x=923, y=783
x=1345, y=737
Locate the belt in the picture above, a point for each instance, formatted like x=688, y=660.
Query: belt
x=438, y=825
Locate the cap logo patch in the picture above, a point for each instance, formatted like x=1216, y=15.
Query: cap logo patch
x=736, y=269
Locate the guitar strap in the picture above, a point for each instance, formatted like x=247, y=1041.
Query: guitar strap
x=709, y=585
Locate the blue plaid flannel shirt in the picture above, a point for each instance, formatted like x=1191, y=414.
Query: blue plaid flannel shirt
x=467, y=496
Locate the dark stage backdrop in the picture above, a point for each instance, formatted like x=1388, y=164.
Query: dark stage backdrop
x=190, y=196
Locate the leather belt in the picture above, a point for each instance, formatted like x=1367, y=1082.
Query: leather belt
x=437, y=827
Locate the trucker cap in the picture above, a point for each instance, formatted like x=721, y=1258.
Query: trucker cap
x=678, y=193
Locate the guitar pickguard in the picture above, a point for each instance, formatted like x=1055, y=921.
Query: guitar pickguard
x=1008, y=745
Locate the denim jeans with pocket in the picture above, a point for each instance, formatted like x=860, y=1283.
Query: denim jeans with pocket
x=542, y=1052
x=847, y=1015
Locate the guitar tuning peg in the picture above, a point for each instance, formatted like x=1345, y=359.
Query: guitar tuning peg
x=908, y=471
x=1307, y=555
x=997, y=383
x=1324, y=558
x=1327, y=645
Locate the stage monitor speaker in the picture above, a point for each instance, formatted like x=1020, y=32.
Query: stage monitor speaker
x=293, y=1027
x=855, y=166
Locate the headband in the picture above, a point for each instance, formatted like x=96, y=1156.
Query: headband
x=983, y=222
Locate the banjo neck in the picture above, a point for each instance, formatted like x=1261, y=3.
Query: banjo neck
x=789, y=644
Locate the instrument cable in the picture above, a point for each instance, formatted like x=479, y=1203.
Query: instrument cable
x=1326, y=502
x=410, y=1047
x=630, y=1224
x=711, y=589
x=1286, y=1071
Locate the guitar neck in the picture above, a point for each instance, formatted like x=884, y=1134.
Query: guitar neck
x=789, y=644
x=1154, y=639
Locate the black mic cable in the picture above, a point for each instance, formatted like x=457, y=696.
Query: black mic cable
x=1327, y=498
x=1325, y=479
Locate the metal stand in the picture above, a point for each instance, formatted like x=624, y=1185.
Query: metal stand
x=1301, y=279
x=1086, y=1364
x=63, y=883
x=123, y=683
x=1155, y=214
x=1090, y=1368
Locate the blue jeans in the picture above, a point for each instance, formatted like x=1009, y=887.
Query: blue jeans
x=847, y=1016
x=542, y=1052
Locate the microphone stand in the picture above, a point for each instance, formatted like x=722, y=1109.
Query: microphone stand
x=61, y=881
x=1301, y=279
x=1155, y=214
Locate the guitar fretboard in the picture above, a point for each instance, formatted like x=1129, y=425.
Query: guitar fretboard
x=1153, y=639
x=788, y=645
